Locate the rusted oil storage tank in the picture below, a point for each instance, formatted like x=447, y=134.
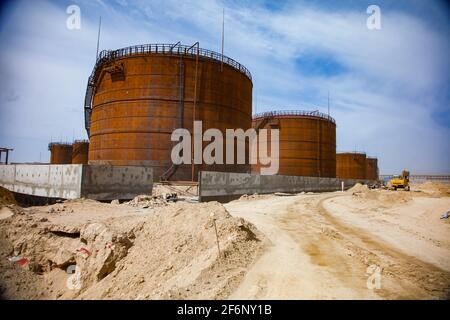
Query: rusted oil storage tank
x=371, y=168
x=80, y=151
x=60, y=153
x=138, y=95
x=307, y=144
x=351, y=165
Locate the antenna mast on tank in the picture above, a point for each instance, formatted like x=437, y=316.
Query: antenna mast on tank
x=256, y=101
x=98, y=36
x=328, y=103
x=223, y=36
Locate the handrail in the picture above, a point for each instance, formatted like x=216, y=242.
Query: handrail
x=106, y=56
x=62, y=144
x=352, y=152
x=171, y=49
x=281, y=113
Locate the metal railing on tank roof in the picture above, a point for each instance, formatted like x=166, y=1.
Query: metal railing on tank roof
x=62, y=144
x=352, y=152
x=282, y=113
x=171, y=49
x=107, y=55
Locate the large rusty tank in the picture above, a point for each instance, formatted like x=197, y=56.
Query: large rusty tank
x=351, y=165
x=371, y=168
x=307, y=142
x=80, y=152
x=138, y=95
x=60, y=153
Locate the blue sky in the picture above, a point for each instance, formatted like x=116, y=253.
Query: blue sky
x=389, y=88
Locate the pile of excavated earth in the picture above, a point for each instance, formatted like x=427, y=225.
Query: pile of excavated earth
x=147, y=248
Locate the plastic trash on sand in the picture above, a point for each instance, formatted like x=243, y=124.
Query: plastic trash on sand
x=84, y=251
x=19, y=260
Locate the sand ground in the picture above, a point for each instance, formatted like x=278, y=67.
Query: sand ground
x=323, y=244
x=358, y=244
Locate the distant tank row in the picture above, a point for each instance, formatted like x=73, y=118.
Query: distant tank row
x=356, y=165
x=66, y=153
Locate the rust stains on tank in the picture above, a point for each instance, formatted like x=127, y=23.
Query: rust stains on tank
x=80, y=151
x=351, y=165
x=372, y=168
x=140, y=94
x=60, y=153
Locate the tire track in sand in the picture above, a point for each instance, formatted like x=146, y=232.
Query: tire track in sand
x=313, y=255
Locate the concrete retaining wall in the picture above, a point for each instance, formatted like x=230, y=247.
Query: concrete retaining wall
x=113, y=182
x=77, y=181
x=225, y=186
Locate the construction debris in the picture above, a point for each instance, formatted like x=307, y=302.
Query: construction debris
x=147, y=201
x=171, y=197
x=19, y=260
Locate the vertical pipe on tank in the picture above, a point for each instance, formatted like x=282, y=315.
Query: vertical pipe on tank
x=195, y=105
x=319, y=144
x=173, y=168
x=223, y=36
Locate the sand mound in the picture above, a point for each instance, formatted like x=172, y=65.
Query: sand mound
x=169, y=252
x=6, y=197
x=383, y=198
x=363, y=192
x=358, y=188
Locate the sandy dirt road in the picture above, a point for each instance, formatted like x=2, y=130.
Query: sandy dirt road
x=318, y=251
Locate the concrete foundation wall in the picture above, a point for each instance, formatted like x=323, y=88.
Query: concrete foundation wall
x=113, y=182
x=51, y=181
x=225, y=186
x=77, y=181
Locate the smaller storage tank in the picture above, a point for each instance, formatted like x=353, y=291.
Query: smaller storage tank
x=60, y=153
x=351, y=165
x=307, y=145
x=80, y=152
x=371, y=168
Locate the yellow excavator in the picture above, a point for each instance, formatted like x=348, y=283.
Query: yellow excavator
x=401, y=181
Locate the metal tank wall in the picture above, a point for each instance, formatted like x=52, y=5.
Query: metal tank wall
x=141, y=94
x=307, y=142
x=351, y=165
x=60, y=153
x=80, y=151
x=371, y=168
